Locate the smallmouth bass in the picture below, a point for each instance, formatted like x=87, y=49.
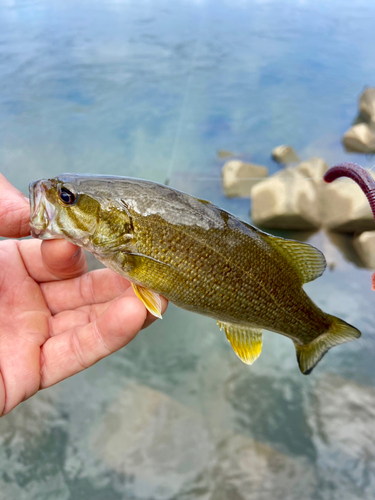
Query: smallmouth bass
x=198, y=256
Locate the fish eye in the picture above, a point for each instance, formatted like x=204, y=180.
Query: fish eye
x=67, y=197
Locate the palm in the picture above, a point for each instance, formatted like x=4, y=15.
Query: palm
x=50, y=328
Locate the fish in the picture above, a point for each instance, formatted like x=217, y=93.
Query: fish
x=200, y=257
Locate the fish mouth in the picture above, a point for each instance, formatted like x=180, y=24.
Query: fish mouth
x=42, y=212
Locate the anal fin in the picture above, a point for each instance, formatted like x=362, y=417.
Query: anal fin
x=150, y=299
x=246, y=341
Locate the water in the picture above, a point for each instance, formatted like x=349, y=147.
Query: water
x=154, y=89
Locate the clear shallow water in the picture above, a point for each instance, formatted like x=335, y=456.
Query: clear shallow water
x=154, y=89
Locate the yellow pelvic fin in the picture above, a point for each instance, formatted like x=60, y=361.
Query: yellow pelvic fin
x=150, y=299
x=246, y=341
x=310, y=354
x=308, y=261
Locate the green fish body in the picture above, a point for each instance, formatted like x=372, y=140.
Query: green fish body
x=198, y=256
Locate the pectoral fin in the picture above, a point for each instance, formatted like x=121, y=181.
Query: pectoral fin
x=246, y=341
x=150, y=299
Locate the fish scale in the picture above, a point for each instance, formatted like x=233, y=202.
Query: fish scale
x=241, y=298
x=198, y=256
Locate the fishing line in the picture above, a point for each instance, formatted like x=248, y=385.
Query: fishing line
x=181, y=120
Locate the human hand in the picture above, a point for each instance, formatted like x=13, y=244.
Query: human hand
x=55, y=318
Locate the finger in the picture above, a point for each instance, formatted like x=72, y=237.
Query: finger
x=94, y=287
x=14, y=211
x=2, y=395
x=24, y=327
x=65, y=255
x=20, y=364
x=82, y=316
x=78, y=348
x=63, y=259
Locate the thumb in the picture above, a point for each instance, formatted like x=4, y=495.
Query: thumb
x=63, y=259
x=14, y=211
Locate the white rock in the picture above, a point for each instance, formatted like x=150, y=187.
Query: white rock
x=286, y=200
x=224, y=154
x=367, y=104
x=365, y=247
x=345, y=208
x=314, y=169
x=239, y=177
x=360, y=138
x=285, y=155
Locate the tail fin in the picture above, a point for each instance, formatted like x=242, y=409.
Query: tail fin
x=339, y=332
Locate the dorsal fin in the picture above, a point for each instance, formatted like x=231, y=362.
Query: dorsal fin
x=308, y=261
x=205, y=202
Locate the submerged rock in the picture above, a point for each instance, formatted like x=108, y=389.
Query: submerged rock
x=247, y=470
x=168, y=450
x=291, y=198
x=342, y=421
x=239, y=177
x=365, y=247
x=285, y=155
x=360, y=138
x=345, y=208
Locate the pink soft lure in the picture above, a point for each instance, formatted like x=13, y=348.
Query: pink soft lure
x=364, y=180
